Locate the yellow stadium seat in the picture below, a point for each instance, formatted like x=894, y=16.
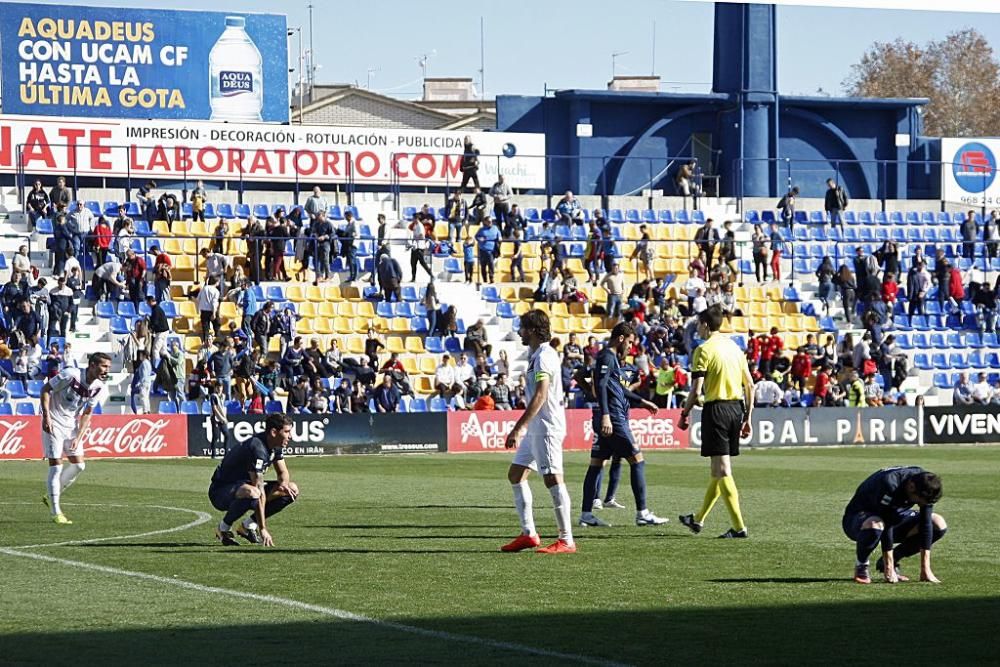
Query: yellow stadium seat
x=399, y=325
x=441, y=229
x=395, y=344
x=171, y=246
x=314, y=293
x=295, y=293
x=343, y=325
x=410, y=365
x=333, y=293
x=199, y=228
x=521, y=307
x=740, y=324
x=192, y=344
x=181, y=228
x=323, y=325
x=560, y=325
x=415, y=344
x=307, y=309
x=758, y=324
x=350, y=293
x=187, y=309
x=428, y=365
x=160, y=229
x=774, y=309
x=274, y=345
x=304, y=327
x=356, y=344
x=365, y=309
x=327, y=309
x=361, y=324
x=559, y=309
x=424, y=385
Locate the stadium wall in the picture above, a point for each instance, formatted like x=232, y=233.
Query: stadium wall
x=144, y=436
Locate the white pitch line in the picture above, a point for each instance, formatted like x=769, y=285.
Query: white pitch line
x=201, y=517
x=317, y=609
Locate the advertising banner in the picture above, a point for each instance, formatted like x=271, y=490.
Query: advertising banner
x=20, y=438
x=226, y=151
x=332, y=433
x=119, y=436
x=789, y=427
x=962, y=424
x=115, y=62
x=482, y=431
x=969, y=170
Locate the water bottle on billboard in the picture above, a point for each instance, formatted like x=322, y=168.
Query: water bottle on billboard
x=236, y=75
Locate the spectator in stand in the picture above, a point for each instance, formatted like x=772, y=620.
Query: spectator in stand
x=418, y=246
x=969, y=232
x=848, y=286
x=432, y=305
x=962, y=394
x=777, y=249
x=835, y=203
x=469, y=164
x=955, y=289
x=609, y=250
x=162, y=273
x=59, y=198
x=298, y=396
x=501, y=194
x=142, y=384
x=767, y=394
x=517, y=257
x=316, y=204
x=890, y=293
x=254, y=234
x=515, y=221
x=62, y=241
x=686, y=182
x=786, y=209
x=760, y=244
x=888, y=257
x=568, y=209
x=874, y=396
x=322, y=237
x=348, y=246
x=147, y=201
x=168, y=208
x=614, y=285
x=102, y=241
x=175, y=369
x=477, y=208
x=884, y=360
x=372, y=346
x=209, y=301
x=862, y=353
x=82, y=219
x=825, y=274
x=991, y=234
x=445, y=382
x=220, y=363
x=457, y=212
x=159, y=327
x=801, y=370
x=918, y=283
x=21, y=263
x=699, y=266
x=37, y=204
x=386, y=395
x=982, y=393
x=60, y=308
x=105, y=281
x=984, y=302
x=942, y=276
x=705, y=239
x=593, y=256
x=199, y=200
x=475, y=340
x=700, y=302
x=488, y=245
x=390, y=275
x=854, y=392
x=134, y=269
x=821, y=388
x=771, y=352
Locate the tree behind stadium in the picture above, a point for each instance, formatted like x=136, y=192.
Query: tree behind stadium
x=959, y=75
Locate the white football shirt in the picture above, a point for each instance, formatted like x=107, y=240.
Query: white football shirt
x=70, y=396
x=551, y=419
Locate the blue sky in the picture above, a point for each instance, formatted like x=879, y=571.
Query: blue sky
x=564, y=44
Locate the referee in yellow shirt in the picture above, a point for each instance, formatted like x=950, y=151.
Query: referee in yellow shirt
x=719, y=367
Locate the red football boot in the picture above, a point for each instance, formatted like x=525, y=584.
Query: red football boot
x=522, y=542
x=558, y=547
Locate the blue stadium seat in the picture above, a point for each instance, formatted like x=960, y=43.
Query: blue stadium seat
x=26, y=409
x=938, y=341
x=120, y=325
x=921, y=362
x=126, y=309
x=751, y=216
x=958, y=360
x=242, y=211
x=490, y=294
x=6, y=409
x=402, y=309
x=665, y=215
x=224, y=211
x=649, y=216
x=827, y=324
x=801, y=217
x=941, y=381
x=438, y=404
x=261, y=211
x=506, y=310
x=187, y=210
x=452, y=265
x=234, y=408
x=273, y=407
x=409, y=212
x=105, y=309
x=615, y=215
x=682, y=217
x=383, y=309
x=992, y=360
x=434, y=345
x=956, y=339
x=452, y=345
x=34, y=388
x=167, y=408
x=409, y=293
x=418, y=405
x=418, y=324
x=531, y=214
x=903, y=340
x=817, y=217
x=335, y=213
x=190, y=408
x=976, y=360
x=43, y=226
x=275, y=293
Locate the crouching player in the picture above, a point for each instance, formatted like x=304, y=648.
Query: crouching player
x=238, y=484
x=882, y=511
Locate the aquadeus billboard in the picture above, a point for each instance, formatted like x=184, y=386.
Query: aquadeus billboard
x=119, y=62
x=165, y=149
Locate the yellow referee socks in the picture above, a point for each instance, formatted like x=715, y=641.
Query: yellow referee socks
x=730, y=496
x=711, y=495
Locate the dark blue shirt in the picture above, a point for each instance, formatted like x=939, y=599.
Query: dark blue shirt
x=613, y=399
x=884, y=494
x=249, y=457
x=487, y=238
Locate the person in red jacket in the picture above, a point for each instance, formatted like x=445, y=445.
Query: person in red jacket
x=801, y=369
x=956, y=290
x=822, y=387
x=753, y=349
x=890, y=292
x=771, y=350
x=102, y=240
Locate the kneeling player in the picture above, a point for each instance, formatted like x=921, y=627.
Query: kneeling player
x=882, y=511
x=238, y=484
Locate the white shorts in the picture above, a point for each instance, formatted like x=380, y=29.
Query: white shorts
x=59, y=444
x=541, y=452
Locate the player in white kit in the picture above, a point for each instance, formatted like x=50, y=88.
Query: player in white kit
x=68, y=399
x=538, y=436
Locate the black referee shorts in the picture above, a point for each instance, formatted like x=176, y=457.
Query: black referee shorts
x=720, y=428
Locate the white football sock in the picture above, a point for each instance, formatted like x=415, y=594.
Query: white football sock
x=70, y=472
x=55, y=487
x=224, y=527
x=522, y=501
x=561, y=503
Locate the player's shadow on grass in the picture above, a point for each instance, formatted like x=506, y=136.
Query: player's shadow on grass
x=428, y=507
x=783, y=580
x=959, y=631
x=139, y=544
x=267, y=551
x=380, y=526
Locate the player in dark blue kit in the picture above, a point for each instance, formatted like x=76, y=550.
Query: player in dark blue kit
x=882, y=511
x=611, y=429
x=238, y=484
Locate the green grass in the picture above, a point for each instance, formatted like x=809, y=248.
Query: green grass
x=413, y=541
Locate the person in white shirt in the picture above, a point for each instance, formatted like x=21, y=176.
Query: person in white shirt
x=209, y=299
x=538, y=436
x=700, y=303
x=67, y=400
x=982, y=393
x=84, y=219
x=445, y=380
x=71, y=263
x=463, y=371
x=691, y=286
x=767, y=394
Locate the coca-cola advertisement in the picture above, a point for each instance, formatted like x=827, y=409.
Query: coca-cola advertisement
x=126, y=436
x=20, y=438
x=485, y=431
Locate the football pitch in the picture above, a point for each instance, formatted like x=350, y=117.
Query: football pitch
x=394, y=560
